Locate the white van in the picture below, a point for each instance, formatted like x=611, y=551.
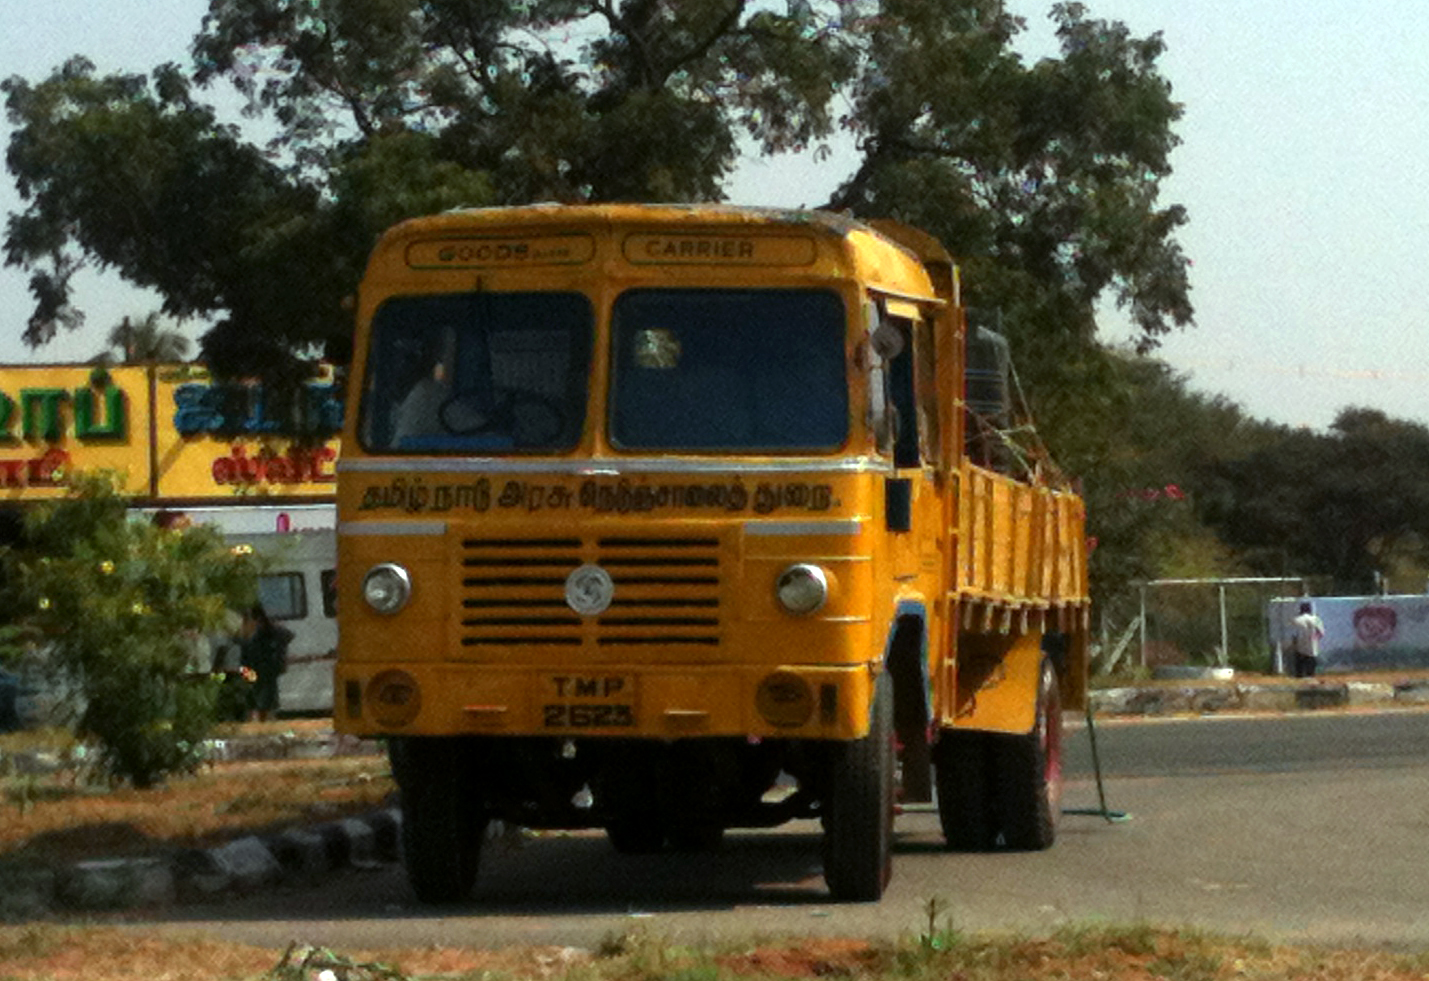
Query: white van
x=297, y=590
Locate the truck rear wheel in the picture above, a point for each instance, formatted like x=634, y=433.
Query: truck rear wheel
x=442, y=821
x=964, y=796
x=858, y=828
x=1027, y=772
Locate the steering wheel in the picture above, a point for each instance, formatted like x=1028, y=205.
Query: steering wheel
x=529, y=418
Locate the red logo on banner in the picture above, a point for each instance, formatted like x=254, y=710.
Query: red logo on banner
x=1375, y=624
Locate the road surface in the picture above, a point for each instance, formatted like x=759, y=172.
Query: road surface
x=1297, y=828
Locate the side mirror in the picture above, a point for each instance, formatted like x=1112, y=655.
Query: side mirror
x=888, y=341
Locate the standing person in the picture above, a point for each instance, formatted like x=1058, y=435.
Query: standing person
x=1305, y=633
x=265, y=652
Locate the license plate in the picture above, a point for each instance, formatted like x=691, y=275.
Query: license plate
x=588, y=701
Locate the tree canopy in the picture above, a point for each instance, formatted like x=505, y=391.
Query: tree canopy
x=1045, y=176
x=1347, y=505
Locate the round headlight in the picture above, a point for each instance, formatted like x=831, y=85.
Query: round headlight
x=802, y=588
x=387, y=587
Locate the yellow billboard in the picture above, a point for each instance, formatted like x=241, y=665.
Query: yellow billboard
x=56, y=419
x=235, y=440
x=172, y=432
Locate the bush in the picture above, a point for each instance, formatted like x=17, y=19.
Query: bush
x=120, y=608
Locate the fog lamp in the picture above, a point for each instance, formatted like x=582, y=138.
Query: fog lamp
x=393, y=698
x=784, y=699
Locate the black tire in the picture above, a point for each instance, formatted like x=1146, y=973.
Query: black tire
x=1028, y=772
x=442, y=821
x=636, y=836
x=858, y=824
x=964, y=795
x=695, y=838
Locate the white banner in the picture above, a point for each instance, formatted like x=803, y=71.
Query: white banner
x=1362, y=633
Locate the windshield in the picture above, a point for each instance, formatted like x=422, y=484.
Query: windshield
x=477, y=373
x=729, y=369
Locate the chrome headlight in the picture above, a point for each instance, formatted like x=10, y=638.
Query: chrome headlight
x=386, y=588
x=802, y=588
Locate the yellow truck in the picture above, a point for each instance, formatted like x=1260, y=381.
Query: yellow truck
x=666, y=520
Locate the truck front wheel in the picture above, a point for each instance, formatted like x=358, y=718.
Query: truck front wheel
x=442, y=819
x=858, y=826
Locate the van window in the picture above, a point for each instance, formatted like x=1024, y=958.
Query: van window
x=283, y=595
x=328, y=579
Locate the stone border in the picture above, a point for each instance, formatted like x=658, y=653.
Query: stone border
x=235, y=868
x=243, y=865
x=1289, y=696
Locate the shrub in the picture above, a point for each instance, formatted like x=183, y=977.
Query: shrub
x=120, y=607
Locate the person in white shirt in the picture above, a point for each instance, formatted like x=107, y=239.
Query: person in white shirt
x=1305, y=633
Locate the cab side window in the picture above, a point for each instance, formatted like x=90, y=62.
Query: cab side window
x=902, y=391
x=902, y=384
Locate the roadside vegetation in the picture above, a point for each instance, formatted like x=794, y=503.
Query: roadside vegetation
x=116, y=613
x=74, y=812
x=1103, y=953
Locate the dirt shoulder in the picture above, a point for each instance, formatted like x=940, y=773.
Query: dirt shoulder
x=1108, y=953
x=60, y=813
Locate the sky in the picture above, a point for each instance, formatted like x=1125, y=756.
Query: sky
x=1302, y=167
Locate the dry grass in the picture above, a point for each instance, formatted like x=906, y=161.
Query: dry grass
x=54, y=953
x=61, y=817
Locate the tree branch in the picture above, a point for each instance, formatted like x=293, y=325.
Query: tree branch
x=702, y=48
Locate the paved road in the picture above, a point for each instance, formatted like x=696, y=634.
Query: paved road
x=1303, y=828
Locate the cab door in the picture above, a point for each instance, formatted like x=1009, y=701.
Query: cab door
x=913, y=506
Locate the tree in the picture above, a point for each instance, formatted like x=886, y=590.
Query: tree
x=117, y=607
x=1345, y=505
x=143, y=341
x=1045, y=176
x=1043, y=179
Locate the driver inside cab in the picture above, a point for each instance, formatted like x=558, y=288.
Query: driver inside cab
x=418, y=415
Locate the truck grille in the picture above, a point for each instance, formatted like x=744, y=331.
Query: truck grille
x=667, y=592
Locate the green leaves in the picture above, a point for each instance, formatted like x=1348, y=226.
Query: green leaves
x=1051, y=169
x=127, y=172
x=1344, y=505
x=121, y=608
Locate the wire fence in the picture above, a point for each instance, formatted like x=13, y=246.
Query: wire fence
x=1193, y=622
